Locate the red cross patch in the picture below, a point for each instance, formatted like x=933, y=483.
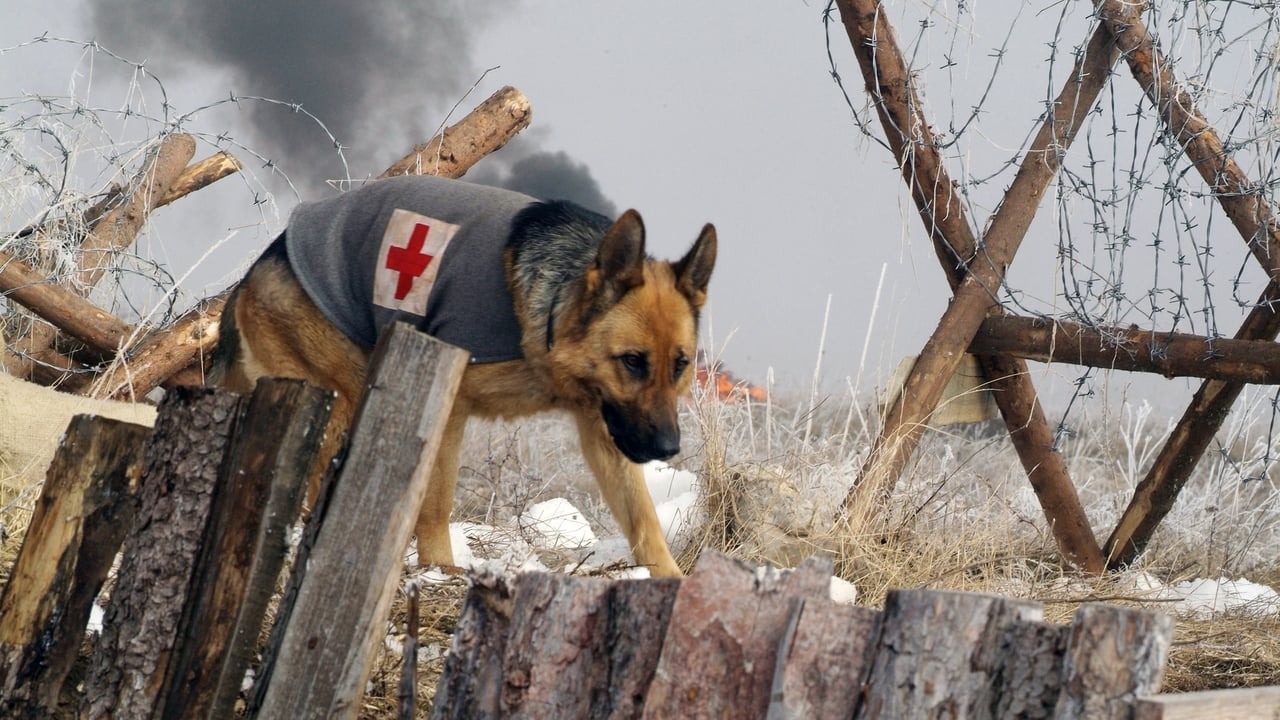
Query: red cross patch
x=408, y=261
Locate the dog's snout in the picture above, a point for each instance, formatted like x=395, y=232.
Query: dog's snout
x=666, y=445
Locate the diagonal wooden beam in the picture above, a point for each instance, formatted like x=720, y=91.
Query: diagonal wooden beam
x=889, y=85
x=1245, y=204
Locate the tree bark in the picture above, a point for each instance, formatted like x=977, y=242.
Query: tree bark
x=470, y=688
x=1114, y=655
x=259, y=495
x=720, y=653
x=822, y=660
x=85, y=507
x=942, y=654
x=142, y=618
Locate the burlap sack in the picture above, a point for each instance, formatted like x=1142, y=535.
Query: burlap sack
x=33, y=419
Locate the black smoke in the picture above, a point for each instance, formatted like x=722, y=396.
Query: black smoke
x=549, y=175
x=378, y=75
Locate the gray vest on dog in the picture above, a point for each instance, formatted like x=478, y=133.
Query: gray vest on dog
x=421, y=249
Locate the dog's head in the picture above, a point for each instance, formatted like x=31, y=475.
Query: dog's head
x=637, y=338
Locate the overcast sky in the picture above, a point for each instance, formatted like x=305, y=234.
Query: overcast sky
x=689, y=112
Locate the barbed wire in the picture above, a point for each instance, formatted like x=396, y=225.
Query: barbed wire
x=63, y=154
x=1138, y=239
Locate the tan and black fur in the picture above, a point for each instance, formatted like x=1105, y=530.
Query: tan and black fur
x=608, y=334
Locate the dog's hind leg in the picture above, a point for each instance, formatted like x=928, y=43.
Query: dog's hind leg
x=432, y=529
x=622, y=484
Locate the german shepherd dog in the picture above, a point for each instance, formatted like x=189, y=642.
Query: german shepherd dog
x=600, y=329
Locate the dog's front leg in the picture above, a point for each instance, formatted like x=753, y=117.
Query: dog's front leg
x=622, y=484
x=432, y=529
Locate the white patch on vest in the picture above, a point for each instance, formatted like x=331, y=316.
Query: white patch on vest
x=412, y=247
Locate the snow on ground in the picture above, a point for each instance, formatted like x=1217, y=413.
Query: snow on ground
x=1202, y=598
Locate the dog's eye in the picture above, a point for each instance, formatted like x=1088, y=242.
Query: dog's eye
x=635, y=363
x=680, y=366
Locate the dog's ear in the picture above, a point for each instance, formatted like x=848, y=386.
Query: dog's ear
x=693, y=271
x=619, y=264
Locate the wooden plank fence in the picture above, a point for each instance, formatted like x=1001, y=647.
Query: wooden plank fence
x=200, y=509
x=743, y=642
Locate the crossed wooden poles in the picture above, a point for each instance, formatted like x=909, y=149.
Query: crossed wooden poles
x=975, y=268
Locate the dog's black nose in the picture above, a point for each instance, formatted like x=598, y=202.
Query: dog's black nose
x=665, y=445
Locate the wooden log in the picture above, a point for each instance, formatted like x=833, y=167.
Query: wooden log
x=470, y=687
x=85, y=507
x=142, y=618
x=1131, y=349
x=639, y=615
x=1033, y=672
x=889, y=84
x=719, y=656
x=338, y=619
x=259, y=496
x=1232, y=704
x=1114, y=655
x=166, y=352
x=822, y=660
x=61, y=306
x=583, y=647
x=488, y=127
x=940, y=654
x=194, y=177
x=119, y=227
x=200, y=174
x=555, y=647
x=1156, y=493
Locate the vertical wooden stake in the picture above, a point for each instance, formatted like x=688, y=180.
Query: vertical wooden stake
x=258, y=498
x=142, y=619
x=342, y=602
x=84, y=510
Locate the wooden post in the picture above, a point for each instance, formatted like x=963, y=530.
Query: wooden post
x=719, y=656
x=471, y=684
x=974, y=272
x=1114, y=655
x=342, y=601
x=259, y=496
x=941, y=654
x=451, y=153
x=142, y=619
x=409, y=671
x=85, y=508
